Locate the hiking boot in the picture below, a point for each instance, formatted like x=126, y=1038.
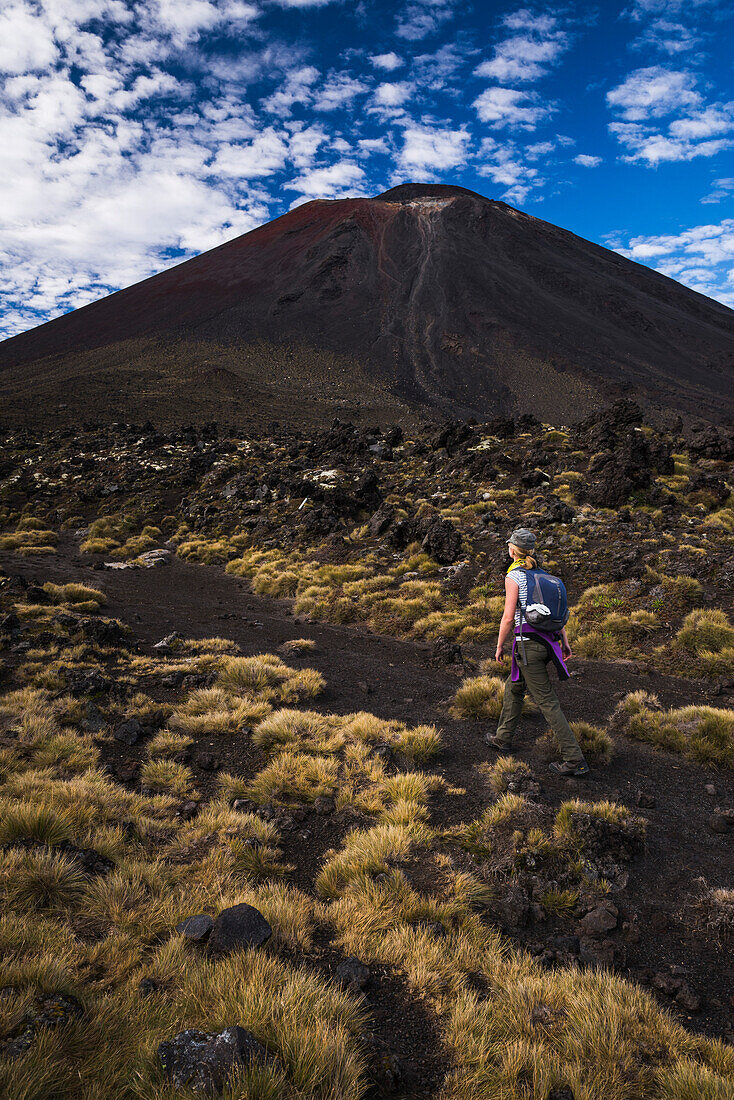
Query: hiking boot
x=499, y=746
x=566, y=768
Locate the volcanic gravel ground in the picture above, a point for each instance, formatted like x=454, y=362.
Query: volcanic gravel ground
x=394, y=679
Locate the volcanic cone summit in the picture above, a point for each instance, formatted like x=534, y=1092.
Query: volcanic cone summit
x=427, y=298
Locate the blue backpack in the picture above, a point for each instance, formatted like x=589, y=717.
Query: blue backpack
x=546, y=607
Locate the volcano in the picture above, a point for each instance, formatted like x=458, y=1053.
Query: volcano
x=424, y=300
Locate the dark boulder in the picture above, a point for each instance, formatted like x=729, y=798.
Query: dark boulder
x=442, y=541
x=128, y=732
x=560, y=512
x=239, y=926
x=367, y=491
x=381, y=520
x=451, y=436
x=197, y=1060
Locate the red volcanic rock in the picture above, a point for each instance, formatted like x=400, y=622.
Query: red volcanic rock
x=427, y=295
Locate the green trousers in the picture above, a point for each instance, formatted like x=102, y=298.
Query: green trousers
x=534, y=678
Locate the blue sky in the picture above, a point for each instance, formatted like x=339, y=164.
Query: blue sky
x=135, y=133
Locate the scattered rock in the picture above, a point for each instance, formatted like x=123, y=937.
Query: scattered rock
x=49, y=1010
x=666, y=983
x=512, y=907
x=353, y=973
x=445, y=651
x=207, y=761
x=721, y=821
x=239, y=926
x=390, y=1073
x=687, y=999
x=128, y=732
x=381, y=520
x=600, y=920
x=204, y=1062
x=596, y=953
x=126, y=770
x=196, y=928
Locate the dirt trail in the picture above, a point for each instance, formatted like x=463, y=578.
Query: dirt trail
x=393, y=679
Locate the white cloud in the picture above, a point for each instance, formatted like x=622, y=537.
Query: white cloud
x=338, y=91
x=671, y=38
x=653, y=92
x=296, y=89
x=525, y=20
x=587, y=161
x=511, y=107
x=332, y=181
x=505, y=164
x=373, y=145
x=642, y=9
x=655, y=148
x=423, y=17
x=261, y=157
x=26, y=40
x=713, y=120
x=696, y=130
x=701, y=257
x=394, y=94
x=722, y=189
x=387, y=61
x=302, y=3
x=526, y=55
x=427, y=151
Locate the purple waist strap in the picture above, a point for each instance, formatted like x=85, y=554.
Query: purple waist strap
x=552, y=644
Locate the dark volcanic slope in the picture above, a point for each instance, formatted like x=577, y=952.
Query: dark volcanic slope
x=426, y=295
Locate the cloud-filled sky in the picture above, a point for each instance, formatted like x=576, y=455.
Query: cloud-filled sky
x=136, y=133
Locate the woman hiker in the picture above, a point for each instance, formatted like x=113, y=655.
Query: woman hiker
x=532, y=674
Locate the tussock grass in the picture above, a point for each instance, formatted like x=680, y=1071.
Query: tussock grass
x=714, y=912
x=298, y=645
x=31, y=536
x=504, y=771
x=478, y=697
x=596, y=744
x=705, y=734
x=39, y=879
x=216, y=711
x=289, y=729
x=534, y=1031
x=168, y=776
x=80, y=595
x=266, y=672
x=366, y=854
x=577, y=821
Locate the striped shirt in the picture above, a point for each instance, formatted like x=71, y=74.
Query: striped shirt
x=519, y=576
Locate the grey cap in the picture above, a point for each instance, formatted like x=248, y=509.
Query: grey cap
x=522, y=539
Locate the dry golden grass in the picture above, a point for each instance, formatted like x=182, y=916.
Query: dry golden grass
x=596, y=744
x=478, y=697
x=80, y=595
x=98, y=937
x=705, y=734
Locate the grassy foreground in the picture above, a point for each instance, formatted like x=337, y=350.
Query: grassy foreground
x=104, y=935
